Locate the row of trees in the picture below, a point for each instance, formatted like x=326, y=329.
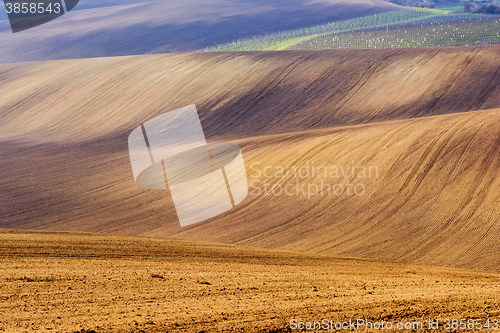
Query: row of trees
x=492, y=8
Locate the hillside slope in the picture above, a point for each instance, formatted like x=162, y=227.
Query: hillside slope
x=434, y=200
x=433, y=197
x=113, y=28
x=244, y=94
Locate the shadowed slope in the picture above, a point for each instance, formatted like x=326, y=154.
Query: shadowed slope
x=242, y=94
x=125, y=28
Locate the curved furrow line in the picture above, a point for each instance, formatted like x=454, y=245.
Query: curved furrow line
x=449, y=215
x=382, y=217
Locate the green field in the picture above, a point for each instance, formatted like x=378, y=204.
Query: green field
x=450, y=9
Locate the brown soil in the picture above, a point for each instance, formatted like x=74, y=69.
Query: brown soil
x=67, y=282
x=65, y=163
x=244, y=94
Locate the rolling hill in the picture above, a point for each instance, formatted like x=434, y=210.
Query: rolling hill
x=111, y=28
x=244, y=94
x=426, y=119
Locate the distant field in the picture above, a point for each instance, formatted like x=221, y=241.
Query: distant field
x=402, y=29
x=125, y=28
x=284, y=40
x=443, y=31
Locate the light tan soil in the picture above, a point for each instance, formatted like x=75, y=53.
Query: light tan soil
x=70, y=282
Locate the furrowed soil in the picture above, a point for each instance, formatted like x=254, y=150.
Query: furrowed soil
x=411, y=118
x=69, y=282
x=425, y=125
